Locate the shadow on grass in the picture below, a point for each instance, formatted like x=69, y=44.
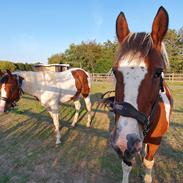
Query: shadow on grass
x=176, y=125
x=168, y=163
x=178, y=110
x=85, y=153
x=80, y=146
x=42, y=119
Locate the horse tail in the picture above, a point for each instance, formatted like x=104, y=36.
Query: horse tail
x=83, y=82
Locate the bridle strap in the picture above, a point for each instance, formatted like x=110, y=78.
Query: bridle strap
x=127, y=110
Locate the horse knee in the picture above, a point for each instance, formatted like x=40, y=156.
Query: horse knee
x=56, y=124
x=148, y=170
x=88, y=103
x=77, y=105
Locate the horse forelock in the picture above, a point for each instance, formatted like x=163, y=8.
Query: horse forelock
x=136, y=46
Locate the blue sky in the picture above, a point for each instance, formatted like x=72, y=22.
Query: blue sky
x=33, y=30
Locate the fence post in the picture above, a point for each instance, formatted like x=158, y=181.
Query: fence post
x=172, y=76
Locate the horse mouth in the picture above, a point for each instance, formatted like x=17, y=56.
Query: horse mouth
x=127, y=157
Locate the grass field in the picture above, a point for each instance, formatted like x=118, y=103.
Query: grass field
x=28, y=153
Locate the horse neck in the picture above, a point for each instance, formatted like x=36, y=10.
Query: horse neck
x=28, y=85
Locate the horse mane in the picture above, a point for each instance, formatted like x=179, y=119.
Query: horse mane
x=136, y=46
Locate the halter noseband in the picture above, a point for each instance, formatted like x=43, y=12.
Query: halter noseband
x=127, y=110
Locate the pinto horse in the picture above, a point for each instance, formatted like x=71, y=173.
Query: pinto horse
x=50, y=88
x=142, y=103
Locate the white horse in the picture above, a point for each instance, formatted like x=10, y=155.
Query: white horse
x=50, y=88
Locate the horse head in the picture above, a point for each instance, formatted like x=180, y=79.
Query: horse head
x=138, y=69
x=10, y=90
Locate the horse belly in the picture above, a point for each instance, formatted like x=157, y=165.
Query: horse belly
x=68, y=90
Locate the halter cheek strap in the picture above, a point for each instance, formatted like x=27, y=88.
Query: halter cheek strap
x=128, y=110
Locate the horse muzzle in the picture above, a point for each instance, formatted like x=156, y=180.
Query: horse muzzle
x=130, y=152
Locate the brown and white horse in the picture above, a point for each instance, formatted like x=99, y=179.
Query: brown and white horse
x=50, y=88
x=142, y=102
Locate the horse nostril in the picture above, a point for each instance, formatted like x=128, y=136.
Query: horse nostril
x=135, y=146
x=138, y=146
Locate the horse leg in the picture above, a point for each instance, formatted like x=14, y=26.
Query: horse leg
x=55, y=117
x=50, y=114
x=88, y=106
x=126, y=172
x=77, y=107
x=149, y=161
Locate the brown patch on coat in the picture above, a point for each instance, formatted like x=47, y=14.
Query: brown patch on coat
x=134, y=46
x=159, y=127
x=119, y=89
x=81, y=81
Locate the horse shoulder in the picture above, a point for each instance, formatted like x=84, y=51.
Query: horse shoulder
x=161, y=120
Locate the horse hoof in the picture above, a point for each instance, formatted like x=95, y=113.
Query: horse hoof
x=88, y=126
x=58, y=142
x=73, y=126
x=148, y=179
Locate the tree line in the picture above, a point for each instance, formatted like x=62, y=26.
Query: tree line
x=15, y=66
x=99, y=57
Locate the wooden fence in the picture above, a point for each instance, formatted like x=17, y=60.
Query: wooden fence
x=100, y=77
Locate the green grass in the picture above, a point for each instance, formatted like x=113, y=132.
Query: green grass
x=28, y=152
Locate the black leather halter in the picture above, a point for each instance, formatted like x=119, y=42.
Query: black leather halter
x=128, y=110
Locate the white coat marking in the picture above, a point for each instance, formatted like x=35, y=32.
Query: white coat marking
x=166, y=104
x=133, y=74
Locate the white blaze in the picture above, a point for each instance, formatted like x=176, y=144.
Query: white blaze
x=133, y=73
x=166, y=104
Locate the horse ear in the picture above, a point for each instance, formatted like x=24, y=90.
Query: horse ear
x=9, y=72
x=160, y=26
x=122, y=29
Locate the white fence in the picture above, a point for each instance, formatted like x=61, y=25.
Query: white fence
x=100, y=77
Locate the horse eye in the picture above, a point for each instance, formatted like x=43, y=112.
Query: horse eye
x=158, y=73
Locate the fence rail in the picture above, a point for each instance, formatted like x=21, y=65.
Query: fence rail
x=100, y=77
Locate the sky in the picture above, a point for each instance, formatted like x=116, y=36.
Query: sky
x=33, y=30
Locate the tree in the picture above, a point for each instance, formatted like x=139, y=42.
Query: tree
x=7, y=65
x=57, y=59
x=174, y=45
x=95, y=57
x=20, y=66
x=28, y=67
x=105, y=62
